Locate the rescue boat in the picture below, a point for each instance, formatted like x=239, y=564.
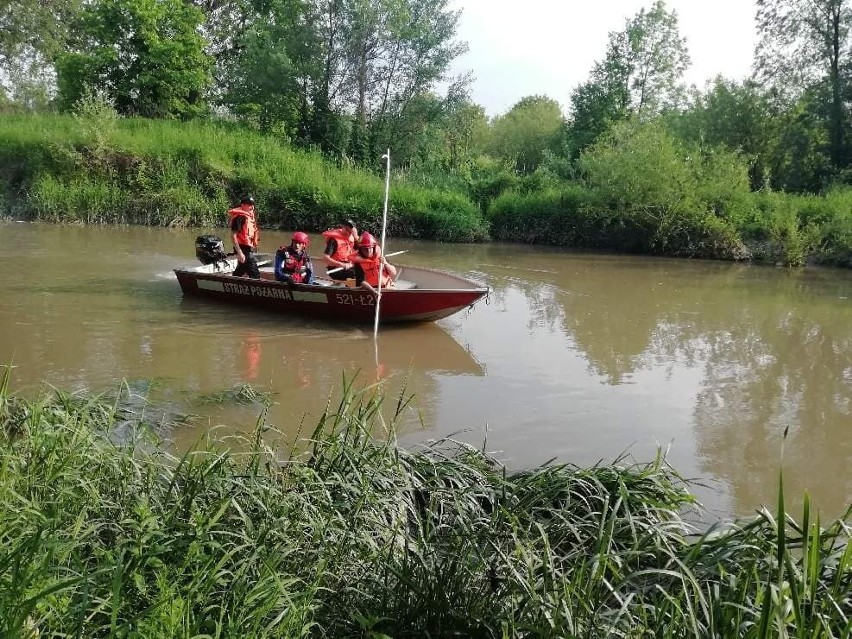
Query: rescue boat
x=418, y=295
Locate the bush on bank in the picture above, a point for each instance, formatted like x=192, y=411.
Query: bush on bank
x=97, y=169
x=643, y=191
x=360, y=538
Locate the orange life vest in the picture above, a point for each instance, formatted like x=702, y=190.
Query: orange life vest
x=371, y=266
x=345, y=246
x=250, y=234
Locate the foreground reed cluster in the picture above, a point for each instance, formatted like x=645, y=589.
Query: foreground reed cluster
x=108, y=536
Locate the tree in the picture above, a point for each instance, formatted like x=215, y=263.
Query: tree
x=798, y=159
x=145, y=54
x=32, y=34
x=595, y=106
x=639, y=76
x=531, y=126
x=440, y=135
x=737, y=115
x=343, y=75
x=648, y=60
x=803, y=44
x=272, y=73
x=395, y=51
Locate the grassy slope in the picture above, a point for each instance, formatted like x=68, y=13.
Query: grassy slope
x=71, y=169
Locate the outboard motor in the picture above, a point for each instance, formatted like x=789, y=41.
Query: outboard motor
x=209, y=249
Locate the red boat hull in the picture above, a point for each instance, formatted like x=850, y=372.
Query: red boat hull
x=428, y=296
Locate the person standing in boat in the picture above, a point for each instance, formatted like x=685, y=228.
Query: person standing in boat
x=369, y=263
x=339, y=249
x=292, y=263
x=246, y=236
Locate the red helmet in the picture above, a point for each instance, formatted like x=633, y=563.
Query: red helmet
x=298, y=236
x=366, y=240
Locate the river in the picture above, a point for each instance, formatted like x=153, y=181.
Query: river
x=575, y=357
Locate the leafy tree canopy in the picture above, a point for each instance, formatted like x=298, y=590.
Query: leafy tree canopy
x=532, y=125
x=32, y=34
x=146, y=55
x=806, y=45
x=640, y=76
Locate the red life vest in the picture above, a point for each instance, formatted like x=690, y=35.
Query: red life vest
x=292, y=264
x=371, y=266
x=250, y=234
x=345, y=246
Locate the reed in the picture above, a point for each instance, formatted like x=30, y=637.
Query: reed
x=103, y=533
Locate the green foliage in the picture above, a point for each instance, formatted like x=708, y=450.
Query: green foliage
x=566, y=216
x=96, y=118
x=595, y=106
x=789, y=147
x=395, y=51
x=803, y=54
x=792, y=230
x=833, y=215
x=268, y=72
x=349, y=77
x=76, y=200
x=642, y=190
x=145, y=54
x=437, y=136
x=531, y=127
x=488, y=179
x=682, y=200
x=32, y=33
x=105, y=534
x=648, y=60
x=640, y=76
x=187, y=174
x=735, y=115
x=798, y=159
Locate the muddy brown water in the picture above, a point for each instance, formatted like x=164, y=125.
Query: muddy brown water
x=576, y=357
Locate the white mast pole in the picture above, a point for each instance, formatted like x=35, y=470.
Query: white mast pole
x=385, y=157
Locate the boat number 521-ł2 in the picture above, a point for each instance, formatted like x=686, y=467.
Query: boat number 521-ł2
x=356, y=300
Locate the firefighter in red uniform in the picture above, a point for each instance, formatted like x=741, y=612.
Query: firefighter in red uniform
x=339, y=249
x=369, y=263
x=292, y=263
x=246, y=236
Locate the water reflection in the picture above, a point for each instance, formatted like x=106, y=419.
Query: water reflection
x=776, y=353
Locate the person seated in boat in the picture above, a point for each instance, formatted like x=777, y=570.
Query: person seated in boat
x=369, y=263
x=246, y=236
x=292, y=263
x=339, y=249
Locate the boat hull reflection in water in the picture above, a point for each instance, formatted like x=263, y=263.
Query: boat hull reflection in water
x=301, y=366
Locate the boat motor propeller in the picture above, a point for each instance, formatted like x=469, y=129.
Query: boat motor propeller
x=209, y=249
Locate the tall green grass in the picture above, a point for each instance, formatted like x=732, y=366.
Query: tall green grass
x=66, y=168
x=104, y=534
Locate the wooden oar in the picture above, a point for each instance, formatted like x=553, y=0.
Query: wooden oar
x=340, y=268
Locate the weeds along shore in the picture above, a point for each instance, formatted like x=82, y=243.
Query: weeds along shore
x=354, y=536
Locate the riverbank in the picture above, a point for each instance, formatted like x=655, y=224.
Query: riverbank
x=97, y=169
x=105, y=534
x=75, y=169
